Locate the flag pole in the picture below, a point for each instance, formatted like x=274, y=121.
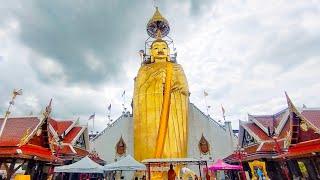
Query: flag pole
x=11, y=103
x=93, y=122
x=109, y=112
x=124, y=101
x=223, y=113
x=205, y=94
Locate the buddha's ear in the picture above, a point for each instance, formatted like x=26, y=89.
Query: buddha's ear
x=151, y=56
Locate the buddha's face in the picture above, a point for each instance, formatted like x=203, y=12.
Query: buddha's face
x=160, y=51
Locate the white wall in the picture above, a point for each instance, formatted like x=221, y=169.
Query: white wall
x=217, y=136
x=105, y=144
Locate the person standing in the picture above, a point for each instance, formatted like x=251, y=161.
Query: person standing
x=171, y=173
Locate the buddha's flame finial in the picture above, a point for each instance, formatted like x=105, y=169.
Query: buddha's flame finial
x=158, y=35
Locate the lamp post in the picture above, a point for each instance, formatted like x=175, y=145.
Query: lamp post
x=15, y=93
x=240, y=153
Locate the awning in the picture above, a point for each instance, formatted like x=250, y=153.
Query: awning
x=127, y=163
x=220, y=165
x=85, y=165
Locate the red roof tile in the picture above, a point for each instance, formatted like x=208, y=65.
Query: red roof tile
x=285, y=130
x=64, y=149
x=16, y=128
x=270, y=146
x=72, y=134
x=28, y=151
x=265, y=121
x=81, y=152
x=313, y=116
x=251, y=149
x=303, y=149
x=271, y=121
x=257, y=131
x=60, y=126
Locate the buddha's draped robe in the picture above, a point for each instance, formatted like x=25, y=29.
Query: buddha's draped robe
x=147, y=106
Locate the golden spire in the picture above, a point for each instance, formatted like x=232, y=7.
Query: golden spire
x=158, y=23
x=157, y=16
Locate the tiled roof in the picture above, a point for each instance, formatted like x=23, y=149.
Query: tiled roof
x=303, y=149
x=81, y=152
x=265, y=121
x=60, y=126
x=66, y=150
x=271, y=121
x=72, y=134
x=17, y=128
x=256, y=130
x=270, y=146
x=313, y=116
x=28, y=151
x=285, y=130
x=63, y=149
x=251, y=149
x=20, y=128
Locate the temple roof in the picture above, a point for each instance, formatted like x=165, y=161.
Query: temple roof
x=21, y=139
x=72, y=134
x=264, y=127
x=19, y=135
x=60, y=126
x=313, y=115
x=16, y=129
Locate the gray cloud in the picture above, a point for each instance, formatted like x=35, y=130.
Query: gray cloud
x=86, y=39
x=84, y=54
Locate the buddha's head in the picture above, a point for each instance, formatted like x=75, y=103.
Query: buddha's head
x=159, y=51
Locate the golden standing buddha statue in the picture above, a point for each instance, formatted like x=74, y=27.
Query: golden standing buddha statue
x=161, y=98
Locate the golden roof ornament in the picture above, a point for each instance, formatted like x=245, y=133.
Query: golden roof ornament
x=158, y=25
x=48, y=109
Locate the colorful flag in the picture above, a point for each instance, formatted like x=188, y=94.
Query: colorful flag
x=109, y=107
x=205, y=93
x=92, y=116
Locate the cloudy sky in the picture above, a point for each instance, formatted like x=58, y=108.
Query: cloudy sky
x=84, y=54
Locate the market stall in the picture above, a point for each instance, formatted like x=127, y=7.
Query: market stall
x=82, y=169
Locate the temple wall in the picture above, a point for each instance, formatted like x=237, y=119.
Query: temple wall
x=105, y=144
x=217, y=136
x=221, y=143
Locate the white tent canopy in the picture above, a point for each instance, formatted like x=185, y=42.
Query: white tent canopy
x=85, y=165
x=127, y=163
